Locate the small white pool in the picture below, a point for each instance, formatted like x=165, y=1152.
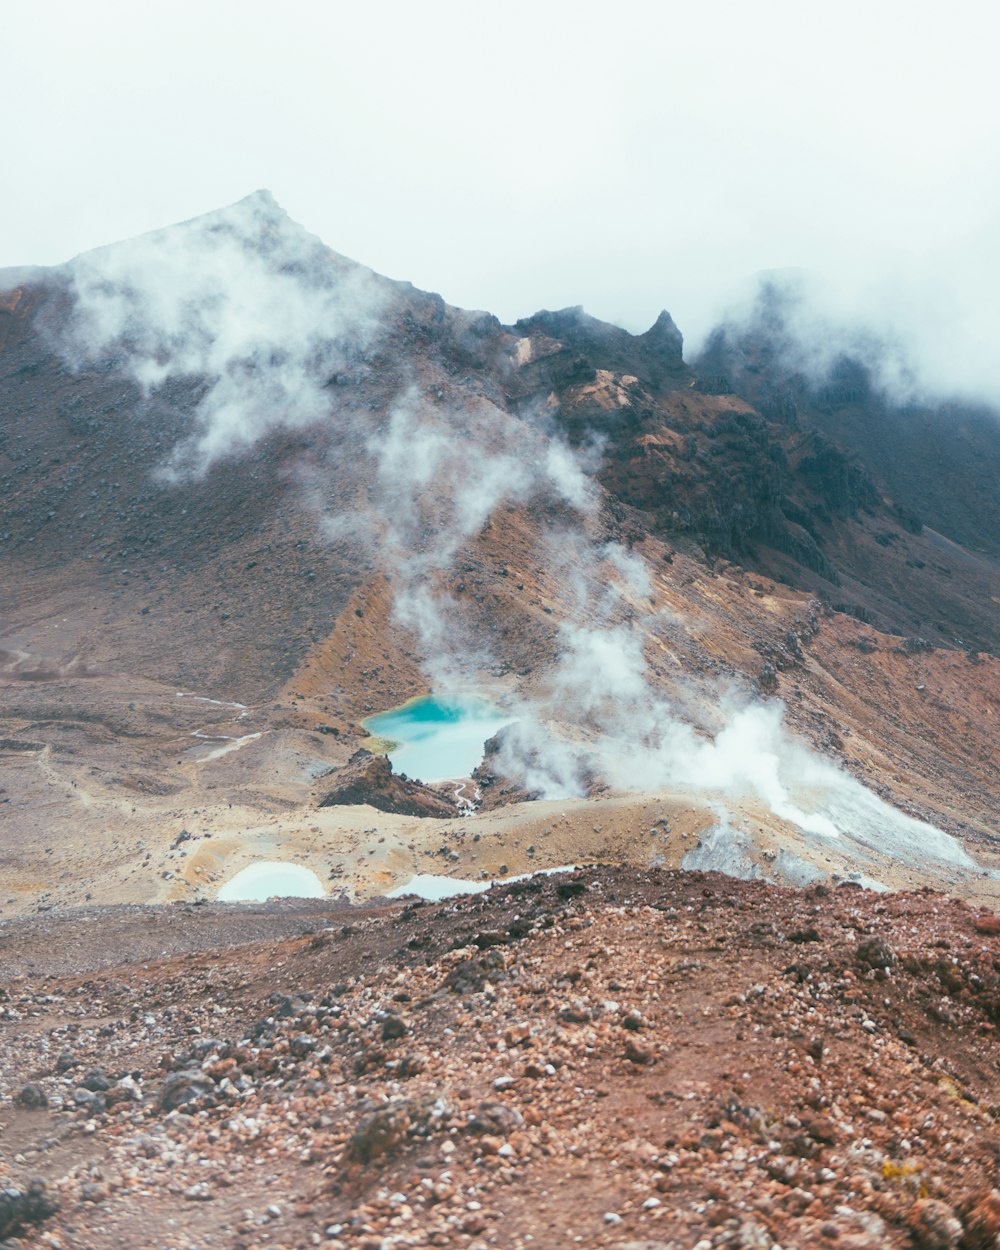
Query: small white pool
x=435, y=889
x=271, y=879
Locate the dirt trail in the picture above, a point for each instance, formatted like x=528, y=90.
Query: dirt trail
x=72, y=789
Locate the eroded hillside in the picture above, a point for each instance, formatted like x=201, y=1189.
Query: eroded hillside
x=222, y=549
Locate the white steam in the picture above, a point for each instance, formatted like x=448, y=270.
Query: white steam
x=262, y=314
x=440, y=475
x=603, y=720
x=243, y=300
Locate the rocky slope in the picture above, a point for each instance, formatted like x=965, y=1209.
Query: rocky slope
x=622, y=1059
x=180, y=630
x=370, y=779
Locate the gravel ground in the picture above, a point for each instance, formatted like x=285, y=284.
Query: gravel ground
x=608, y=1058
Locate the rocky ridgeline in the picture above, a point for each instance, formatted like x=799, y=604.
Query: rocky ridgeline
x=608, y=1058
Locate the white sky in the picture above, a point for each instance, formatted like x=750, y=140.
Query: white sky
x=518, y=155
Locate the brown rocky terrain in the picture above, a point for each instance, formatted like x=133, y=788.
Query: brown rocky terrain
x=607, y=1058
x=635, y=1056
x=369, y=779
x=142, y=611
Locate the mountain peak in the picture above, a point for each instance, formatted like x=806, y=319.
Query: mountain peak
x=261, y=196
x=664, y=338
x=255, y=215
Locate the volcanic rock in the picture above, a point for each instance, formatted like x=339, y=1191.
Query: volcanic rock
x=20, y=1209
x=369, y=779
x=31, y=1096
x=935, y=1226
x=185, y=1087
x=736, y=1126
x=875, y=953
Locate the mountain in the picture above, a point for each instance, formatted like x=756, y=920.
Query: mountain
x=738, y=620
x=254, y=492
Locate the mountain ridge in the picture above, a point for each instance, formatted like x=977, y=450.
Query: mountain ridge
x=504, y=476
x=251, y=493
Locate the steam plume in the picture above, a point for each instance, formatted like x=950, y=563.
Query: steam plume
x=244, y=301
x=262, y=312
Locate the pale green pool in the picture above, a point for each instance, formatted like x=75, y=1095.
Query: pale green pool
x=271, y=879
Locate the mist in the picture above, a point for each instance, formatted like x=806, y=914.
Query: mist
x=921, y=339
x=440, y=473
x=262, y=313
x=241, y=300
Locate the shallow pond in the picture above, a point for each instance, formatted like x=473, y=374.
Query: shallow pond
x=271, y=879
x=436, y=889
x=436, y=739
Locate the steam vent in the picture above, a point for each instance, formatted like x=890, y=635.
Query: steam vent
x=482, y=785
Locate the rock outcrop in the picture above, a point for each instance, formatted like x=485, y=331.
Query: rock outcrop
x=369, y=779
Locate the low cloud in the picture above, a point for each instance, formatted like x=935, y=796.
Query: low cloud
x=920, y=335
x=243, y=300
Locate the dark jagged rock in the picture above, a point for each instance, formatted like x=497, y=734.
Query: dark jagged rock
x=577, y=345
x=662, y=346
x=31, y=1096
x=369, y=779
x=494, y=788
x=839, y=480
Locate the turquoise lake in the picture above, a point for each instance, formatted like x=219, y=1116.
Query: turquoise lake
x=437, y=739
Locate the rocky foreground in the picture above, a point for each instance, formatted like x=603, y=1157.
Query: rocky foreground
x=608, y=1058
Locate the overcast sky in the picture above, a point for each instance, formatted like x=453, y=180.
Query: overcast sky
x=521, y=155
